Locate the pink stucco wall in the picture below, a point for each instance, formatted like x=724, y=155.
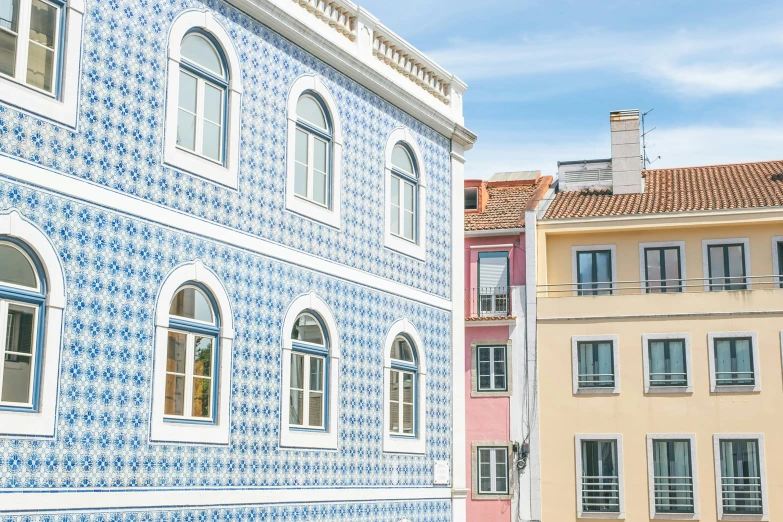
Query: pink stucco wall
x=516, y=262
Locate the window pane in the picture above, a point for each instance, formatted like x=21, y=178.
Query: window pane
x=296, y=407
x=723, y=357
x=307, y=329
x=744, y=358
x=407, y=388
x=395, y=205
x=716, y=262
x=43, y=23
x=407, y=419
x=401, y=350
x=500, y=471
x=191, y=303
x=735, y=261
x=471, y=199
x=657, y=362
x=671, y=259
x=17, y=378
x=394, y=394
x=310, y=111
x=297, y=371
x=316, y=409
x=202, y=393
x=9, y=25
x=320, y=192
x=654, y=265
x=199, y=51
x=316, y=374
x=485, y=381
x=213, y=104
x=175, y=395
x=43, y=31
x=15, y=268
x=402, y=160
x=484, y=353
x=202, y=364
x=175, y=357
x=585, y=267
x=212, y=141
x=300, y=179
x=186, y=130
x=188, y=86
x=603, y=266
x=40, y=67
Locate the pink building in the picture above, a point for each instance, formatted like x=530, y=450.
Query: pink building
x=495, y=340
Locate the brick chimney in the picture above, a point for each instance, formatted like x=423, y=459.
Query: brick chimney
x=626, y=153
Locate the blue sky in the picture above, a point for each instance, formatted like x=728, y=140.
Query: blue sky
x=543, y=75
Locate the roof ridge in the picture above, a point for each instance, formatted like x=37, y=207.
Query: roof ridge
x=718, y=165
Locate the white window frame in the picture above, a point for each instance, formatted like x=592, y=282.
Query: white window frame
x=475, y=493
x=661, y=244
x=218, y=432
x=716, y=438
x=301, y=436
x=62, y=109
x=590, y=248
x=575, y=340
x=686, y=338
x=618, y=438
x=417, y=249
x=651, y=437
x=330, y=215
x=307, y=359
x=474, y=371
x=40, y=424
x=756, y=387
x=199, y=115
x=396, y=444
x=705, y=259
x=227, y=172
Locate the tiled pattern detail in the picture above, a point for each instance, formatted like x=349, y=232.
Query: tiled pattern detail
x=114, y=265
x=119, y=140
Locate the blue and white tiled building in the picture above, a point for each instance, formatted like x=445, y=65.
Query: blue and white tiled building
x=226, y=280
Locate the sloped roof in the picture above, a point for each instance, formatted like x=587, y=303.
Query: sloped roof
x=715, y=187
x=506, y=205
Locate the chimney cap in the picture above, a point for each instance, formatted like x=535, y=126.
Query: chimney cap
x=624, y=115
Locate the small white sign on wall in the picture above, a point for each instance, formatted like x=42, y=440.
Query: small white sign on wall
x=440, y=473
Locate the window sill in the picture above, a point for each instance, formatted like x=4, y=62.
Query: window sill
x=598, y=391
x=303, y=438
x=680, y=390
x=408, y=445
x=187, y=161
x=403, y=246
x=489, y=496
x=750, y=388
x=603, y=515
x=762, y=518
x=310, y=210
x=676, y=516
x=478, y=394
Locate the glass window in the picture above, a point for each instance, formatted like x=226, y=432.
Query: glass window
x=191, y=355
x=202, y=98
x=594, y=272
x=313, y=150
x=727, y=267
x=596, y=364
x=667, y=362
x=663, y=269
x=309, y=360
x=471, y=198
x=493, y=282
x=402, y=388
x=673, y=477
x=734, y=362
x=600, y=479
x=740, y=477
x=491, y=368
x=493, y=471
x=404, y=194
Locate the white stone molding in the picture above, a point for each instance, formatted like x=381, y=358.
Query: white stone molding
x=754, y=341
x=474, y=473
x=417, y=444
x=308, y=209
x=417, y=249
x=41, y=423
x=474, y=391
x=62, y=109
x=686, y=338
x=589, y=248
x=575, y=340
x=705, y=258
x=660, y=244
x=228, y=173
x=618, y=438
x=651, y=437
x=716, y=438
x=304, y=438
x=191, y=432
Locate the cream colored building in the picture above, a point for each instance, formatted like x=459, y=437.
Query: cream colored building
x=659, y=327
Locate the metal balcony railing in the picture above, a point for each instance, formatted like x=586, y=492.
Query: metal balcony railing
x=489, y=301
x=600, y=494
x=741, y=495
x=674, y=494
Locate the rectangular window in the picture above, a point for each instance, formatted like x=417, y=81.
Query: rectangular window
x=401, y=407
x=734, y=362
x=306, y=391
x=471, y=198
x=668, y=365
x=17, y=353
x=663, y=269
x=403, y=208
x=493, y=471
x=493, y=280
x=596, y=364
x=491, y=368
x=727, y=267
x=740, y=477
x=780, y=263
x=673, y=476
x=189, y=377
x=594, y=272
x=600, y=476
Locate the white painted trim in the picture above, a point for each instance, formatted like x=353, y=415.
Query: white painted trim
x=43, y=422
x=415, y=444
x=482, y=247
x=161, y=431
x=38, y=503
x=308, y=209
x=575, y=340
x=418, y=249
x=716, y=438
x=531, y=367
x=176, y=157
x=775, y=260
x=686, y=337
x=495, y=232
x=303, y=438
x=84, y=190
x=651, y=476
x=660, y=244
x=589, y=248
x=65, y=109
x=510, y=367
x=711, y=337
x=705, y=262
x=578, y=438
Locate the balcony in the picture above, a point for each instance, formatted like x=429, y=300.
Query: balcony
x=489, y=303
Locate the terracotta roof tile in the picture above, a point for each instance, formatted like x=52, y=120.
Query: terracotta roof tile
x=716, y=187
x=506, y=205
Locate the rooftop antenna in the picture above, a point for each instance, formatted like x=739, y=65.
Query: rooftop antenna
x=646, y=160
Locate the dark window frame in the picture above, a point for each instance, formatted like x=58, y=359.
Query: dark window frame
x=477, y=198
x=734, y=372
x=725, y=285
x=664, y=285
x=592, y=287
x=595, y=384
x=479, y=389
x=670, y=452
x=667, y=351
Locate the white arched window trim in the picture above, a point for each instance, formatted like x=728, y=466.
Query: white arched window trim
x=328, y=216
x=299, y=438
x=405, y=444
x=64, y=107
x=227, y=174
x=217, y=433
x=42, y=422
x=419, y=248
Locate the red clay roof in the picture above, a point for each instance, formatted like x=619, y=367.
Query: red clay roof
x=507, y=203
x=716, y=187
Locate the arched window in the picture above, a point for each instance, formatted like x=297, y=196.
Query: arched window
x=309, y=362
x=402, y=388
x=405, y=195
x=203, y=82
x=22, y=316
x=191, y=355
x=404, y=185
x=313, y=150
